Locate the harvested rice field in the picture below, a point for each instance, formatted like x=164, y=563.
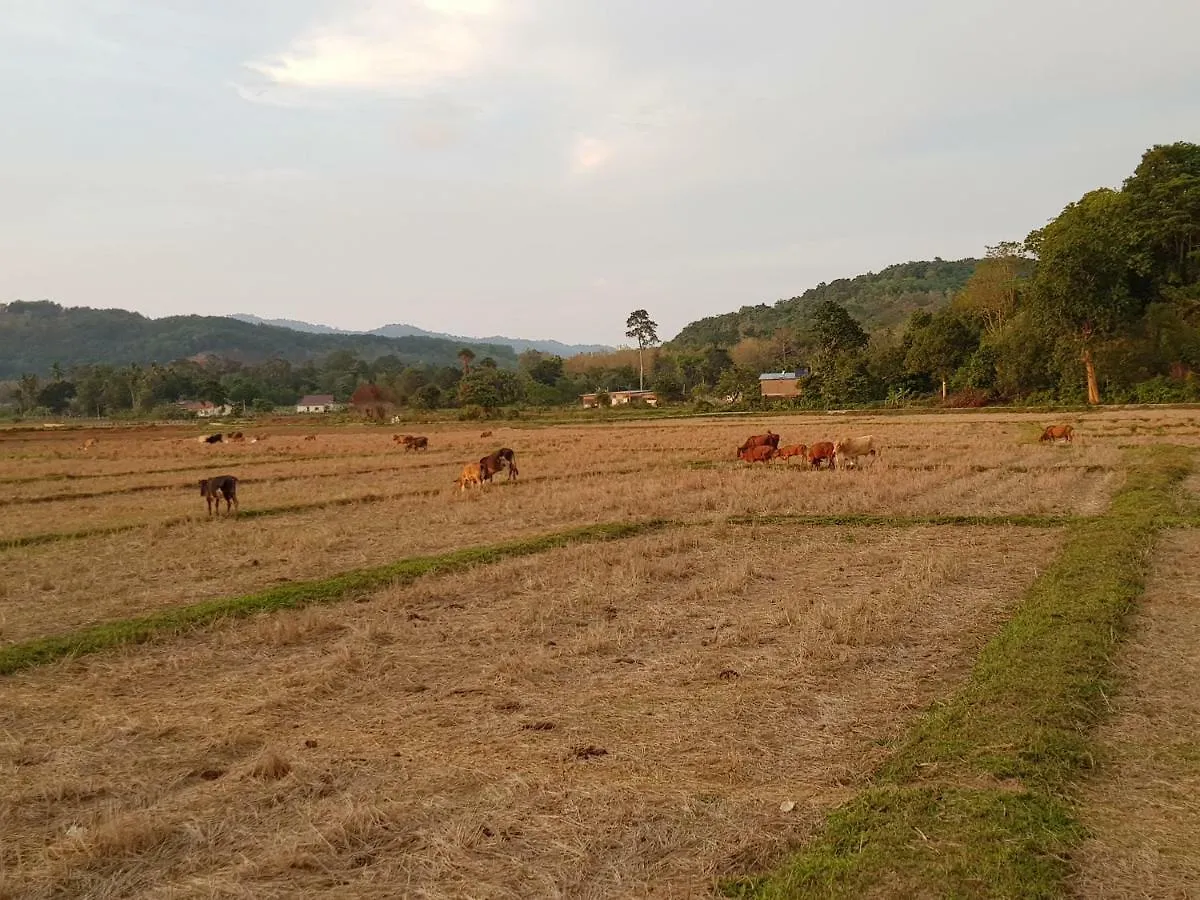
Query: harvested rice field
x=274, y=704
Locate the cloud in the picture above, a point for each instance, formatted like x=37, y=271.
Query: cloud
x=408, y=45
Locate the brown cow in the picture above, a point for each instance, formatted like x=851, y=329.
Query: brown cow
x=1058, y=433
x=235, y=437
x=310, y=437
x=494, y=463
x=762, y=453
x=786, y=453
x=486, y=434
x=213, y=489
x=770, y=439
x=418, y=442
x=822, y=451
x=401, y=438
x=89, y=444
x=470, y=475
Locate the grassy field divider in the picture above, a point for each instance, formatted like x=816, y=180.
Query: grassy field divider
x=347, y=585
x=871, y=519
x=976, y=799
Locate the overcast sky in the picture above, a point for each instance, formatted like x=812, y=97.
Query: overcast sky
x=539, y=168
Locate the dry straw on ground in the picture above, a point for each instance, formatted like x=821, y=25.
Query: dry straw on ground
x=446, y=737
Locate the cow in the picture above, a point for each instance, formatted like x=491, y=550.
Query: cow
x=419, y=442
x=762, y=453
x=235, y=437
x=786, y=453
x=212, y=438
x=470, y=475
x=1058, y=433
x=847, y=451
x=769, y=439
x=213, y=489
x=822, y=451
x=486, y=434
x=88, y=444
x=494, y=463
x=310, y=437
x=401, y=438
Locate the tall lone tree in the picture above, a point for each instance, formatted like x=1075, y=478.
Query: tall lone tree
x=466, y=356
x=1082, y=281
x=640, y=327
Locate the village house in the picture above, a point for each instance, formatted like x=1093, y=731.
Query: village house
x=781, y=385
x=620, y=398
x=204, y=409
x=317, y=403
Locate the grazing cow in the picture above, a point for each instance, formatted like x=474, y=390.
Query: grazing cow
x=848, y=450
x=486, y=434
x=769, y=439
x=212, y=439
x=786, y=453
x=310, y=437
x=1058, y=433
x=213, y=489
x=820, y=452
x=418, y=442
x=762, y=453
x=470, y=475
x=88, y=444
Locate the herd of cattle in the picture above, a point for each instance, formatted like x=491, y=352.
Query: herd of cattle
x=846, y=454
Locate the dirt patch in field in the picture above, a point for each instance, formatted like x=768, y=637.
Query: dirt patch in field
x=1143, y=806
x=599, y=721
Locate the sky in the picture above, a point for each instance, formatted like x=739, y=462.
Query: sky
x=540, y=168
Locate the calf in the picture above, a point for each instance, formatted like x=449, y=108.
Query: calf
x=848, y=451
x=786, y=453
x=762, y=453
x=820, y=452
x=213, y=489
x=470, y=475
x=1058, y=433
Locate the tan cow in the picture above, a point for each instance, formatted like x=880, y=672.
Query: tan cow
x=470, y=475
x=848, y=451
x=1058, y=433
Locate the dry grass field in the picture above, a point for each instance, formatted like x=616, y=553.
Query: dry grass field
x=621, y=718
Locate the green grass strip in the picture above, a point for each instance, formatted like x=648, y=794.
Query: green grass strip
x=177, y=620
x=975, y=801
x=869, y=519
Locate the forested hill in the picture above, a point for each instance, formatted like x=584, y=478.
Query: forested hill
x=36, y=335
x=878, y=300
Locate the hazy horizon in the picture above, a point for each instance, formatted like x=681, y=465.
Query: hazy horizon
x=538, y=170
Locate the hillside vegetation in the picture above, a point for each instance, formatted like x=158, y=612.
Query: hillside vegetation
x=877, y=300
x=34, y=336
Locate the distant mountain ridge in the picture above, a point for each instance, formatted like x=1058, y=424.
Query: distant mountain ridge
x=36, y=335
x=399, y=329
x=878, y=300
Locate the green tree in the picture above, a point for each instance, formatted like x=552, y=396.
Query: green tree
x=835, y=331
x=429, y=397
x=1082, y=281
x=640, y=327
x=1164, y=212
x=992, y=293
x=466, y=356
x=28, y=387
x=940, y=344
x=56, y=396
